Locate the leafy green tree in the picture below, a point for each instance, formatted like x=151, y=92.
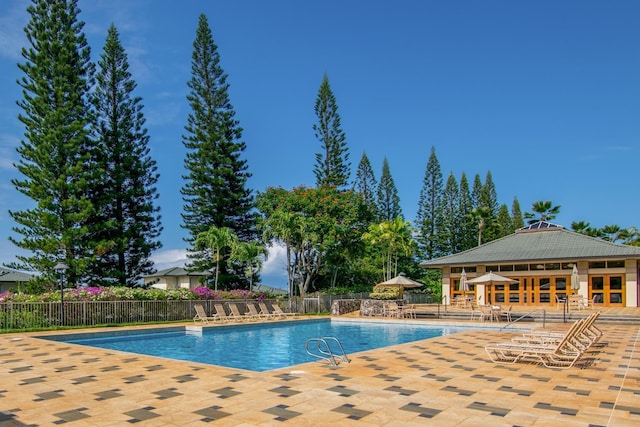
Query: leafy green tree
x=542, y=211
x=326, y=222
x=54, y=156
x=281, y=226
x=388, y=199
x=516, y=215
x=251, y=255
x=126, y=223
x=214, y=244
x=365, y=183
x=429, y=218
x=332, y=164
x=467, y=229
x=214, y=192
x=451, y=222
x=393, y=240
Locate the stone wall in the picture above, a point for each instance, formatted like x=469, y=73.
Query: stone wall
x=344, y=306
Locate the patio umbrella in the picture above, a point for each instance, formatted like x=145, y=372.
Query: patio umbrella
x=575, y=279
x=492, y=279
x=403, y=281
x=463, y=285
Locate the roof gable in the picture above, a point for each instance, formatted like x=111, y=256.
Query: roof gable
x=538, y=244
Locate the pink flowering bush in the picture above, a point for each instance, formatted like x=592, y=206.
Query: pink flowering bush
x=120, y=293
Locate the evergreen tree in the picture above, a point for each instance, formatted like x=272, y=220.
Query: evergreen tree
x=451, y=222
x=127, y=223
x=476, y=192
x=429, y=217
x=489, y=200
x=503, y=222
x=332, y=165
x=517, y=221
x=54, y=159
x=214, y=192
x=388, y=199
x=366, y=183
x=467, y=229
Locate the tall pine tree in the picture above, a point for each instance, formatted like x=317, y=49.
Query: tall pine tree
x=332, y=164
x=54, y=159
x=127, y=223
x=467, y=226
x=451, y=218
x=517, y=219
x=214, y=192
x=365, y=183
x=429, y=219
x=388, y=199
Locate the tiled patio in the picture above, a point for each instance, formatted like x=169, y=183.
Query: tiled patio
x=448, y=381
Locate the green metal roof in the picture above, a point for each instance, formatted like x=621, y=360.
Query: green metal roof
x=538, y=242
x=12, y=276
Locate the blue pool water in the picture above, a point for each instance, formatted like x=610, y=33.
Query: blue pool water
x=259, y=347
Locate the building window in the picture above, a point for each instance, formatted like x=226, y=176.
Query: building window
x=597, y=264
x=615, y=264
x=552, y=266
x=521, y=267
x=506, y=267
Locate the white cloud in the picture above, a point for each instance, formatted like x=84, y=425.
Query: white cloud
x=169, y=258
x=274, y=269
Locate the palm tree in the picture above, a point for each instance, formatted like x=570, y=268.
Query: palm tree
x=545, y=211
x=394, y=239
x=215, y=240
x=613, y=233
x=585, y=228
x=283, y=226
x=482, y=215
x=251, y=254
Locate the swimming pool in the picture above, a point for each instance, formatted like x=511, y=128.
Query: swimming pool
x=259, y=346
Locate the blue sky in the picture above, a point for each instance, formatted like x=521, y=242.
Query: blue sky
x=544, y=94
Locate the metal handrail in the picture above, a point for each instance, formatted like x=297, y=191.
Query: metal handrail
x=327, y=353
x=544, y=317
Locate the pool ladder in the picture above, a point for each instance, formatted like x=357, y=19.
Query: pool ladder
x=325, y=352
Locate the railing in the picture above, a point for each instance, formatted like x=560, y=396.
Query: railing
x=544, y=317
x=42, y=315
x=325, y=352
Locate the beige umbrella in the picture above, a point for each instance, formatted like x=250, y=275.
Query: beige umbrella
x=492, y=279
x=464, y=284
x=403, y=281
x=575, y=279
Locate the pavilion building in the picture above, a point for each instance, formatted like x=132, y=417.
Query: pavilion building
x=541, y=258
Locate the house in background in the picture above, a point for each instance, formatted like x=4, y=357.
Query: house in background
x=10, y=280
x=541, y=258
x=175, y=278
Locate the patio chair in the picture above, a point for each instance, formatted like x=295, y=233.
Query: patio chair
x=562, y=354
x=235, y=313
x=201, y=315
x=584, y=336
x=221, y=313
x=278, y=312
x=252, y=312
x=485, y=313
x=409, y=311
x=391, y=309
x=506, y=314
x=266, y=314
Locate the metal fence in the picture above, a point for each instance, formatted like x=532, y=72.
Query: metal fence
x=38, y=315
x=42, y=315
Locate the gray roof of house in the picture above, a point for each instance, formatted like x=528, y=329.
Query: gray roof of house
x=538, y=242
x=177, y=271
x=12, y=276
